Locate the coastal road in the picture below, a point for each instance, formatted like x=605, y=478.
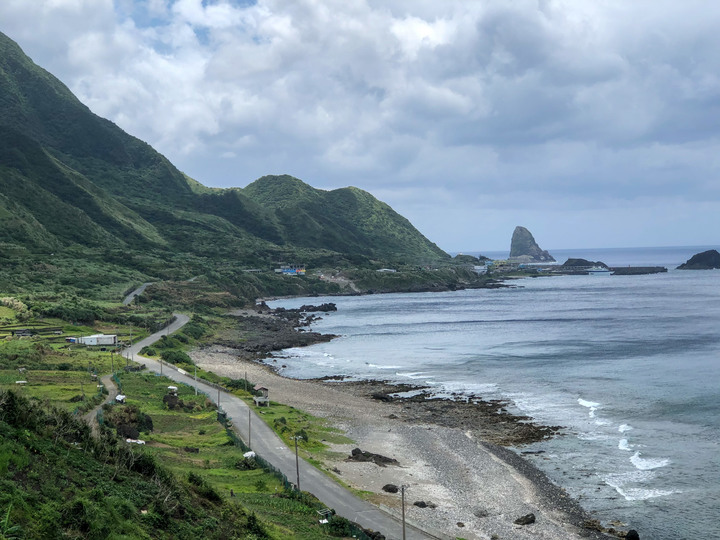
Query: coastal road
x=267, y=444
x=137, y=292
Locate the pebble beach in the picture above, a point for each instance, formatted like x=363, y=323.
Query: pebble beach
x=467, y=486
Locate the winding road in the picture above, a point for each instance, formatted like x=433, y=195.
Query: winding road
x=268, y=445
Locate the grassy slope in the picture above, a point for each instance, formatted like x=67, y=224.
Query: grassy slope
x=57, y=481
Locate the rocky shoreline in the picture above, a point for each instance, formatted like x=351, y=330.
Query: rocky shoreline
x=489, y=420
x=452, y=450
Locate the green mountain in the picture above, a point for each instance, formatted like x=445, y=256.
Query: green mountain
x=72, y=182
x=347, y=220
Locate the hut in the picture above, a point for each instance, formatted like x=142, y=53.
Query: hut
x=263, y=398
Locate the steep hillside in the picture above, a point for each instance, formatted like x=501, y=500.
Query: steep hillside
x=71, y=178
x=347, y=220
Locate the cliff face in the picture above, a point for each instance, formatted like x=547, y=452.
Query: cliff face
x=523, y=248
x=707, y=260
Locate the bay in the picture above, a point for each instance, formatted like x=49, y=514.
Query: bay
x=629, y=365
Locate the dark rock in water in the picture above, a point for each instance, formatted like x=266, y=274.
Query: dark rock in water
x=637, y=270
x=377, y=459
x=584, y=262
x=632, y=534
x=390, y=488
x=707, y=260
x=525, y=520
x=523, y=248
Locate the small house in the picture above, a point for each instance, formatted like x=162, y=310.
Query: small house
x=98, y=339
x=263, y=398
x=172, y=390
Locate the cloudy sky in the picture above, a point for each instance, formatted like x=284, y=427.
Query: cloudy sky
x=594, y=123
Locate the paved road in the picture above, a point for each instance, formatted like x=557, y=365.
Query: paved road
x=137, y=292
x=268, y=445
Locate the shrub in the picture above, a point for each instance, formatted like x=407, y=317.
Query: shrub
x=255, y=527
x=176, y=357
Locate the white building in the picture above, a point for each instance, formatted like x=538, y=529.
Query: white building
x=98, y=339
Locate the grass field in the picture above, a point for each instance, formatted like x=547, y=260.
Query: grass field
x=191, y=441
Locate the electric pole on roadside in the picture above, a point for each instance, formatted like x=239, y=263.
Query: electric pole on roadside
x=249, y=428
x=402, y=494
x=196, y=380
x=297, y=461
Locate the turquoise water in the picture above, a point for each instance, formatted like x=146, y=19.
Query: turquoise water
x=630, y=365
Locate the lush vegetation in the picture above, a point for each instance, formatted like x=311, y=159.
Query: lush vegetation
x=85, y=208
x=60, y=481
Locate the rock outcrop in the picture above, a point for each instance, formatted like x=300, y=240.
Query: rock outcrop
x=523, y=248
x=707, y=260
x=584, y=263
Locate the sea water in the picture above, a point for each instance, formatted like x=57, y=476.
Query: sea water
x=629, y=365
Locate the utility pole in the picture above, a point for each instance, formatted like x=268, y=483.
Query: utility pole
x=402, y=492
x=196, y=380
x=249, y=428
x=297, y=461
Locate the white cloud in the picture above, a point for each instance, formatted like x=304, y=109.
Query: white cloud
x=501, y=108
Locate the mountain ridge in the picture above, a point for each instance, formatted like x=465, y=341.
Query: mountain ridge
x=72, y=178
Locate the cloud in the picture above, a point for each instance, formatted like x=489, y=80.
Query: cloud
x=507, y=109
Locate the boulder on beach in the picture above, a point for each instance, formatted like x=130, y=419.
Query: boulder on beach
x=523, y=248
x=525, y=520
x=707, y=260
x=390, y=488
x=377, y=459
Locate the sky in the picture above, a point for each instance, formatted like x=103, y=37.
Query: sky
x=593, y=123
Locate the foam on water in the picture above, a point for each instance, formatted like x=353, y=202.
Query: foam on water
x=377, y=366
x=624, y=427
x=619, y=482
x=590, y=405
x=624, y=445
x=644, y=464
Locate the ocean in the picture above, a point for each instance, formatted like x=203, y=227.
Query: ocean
x=629, y=365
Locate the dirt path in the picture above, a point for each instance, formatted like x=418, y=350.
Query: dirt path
x=91, y=416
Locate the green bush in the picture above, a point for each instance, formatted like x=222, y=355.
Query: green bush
x=193, y=330
x=176, y=357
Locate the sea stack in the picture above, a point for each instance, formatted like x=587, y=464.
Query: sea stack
x=523, y=248
x=707, y=260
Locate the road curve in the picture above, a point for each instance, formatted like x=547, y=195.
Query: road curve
x=137, y=292
x=268, y=445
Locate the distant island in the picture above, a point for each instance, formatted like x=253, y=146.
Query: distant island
x=523, y=248
x=707, y=260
